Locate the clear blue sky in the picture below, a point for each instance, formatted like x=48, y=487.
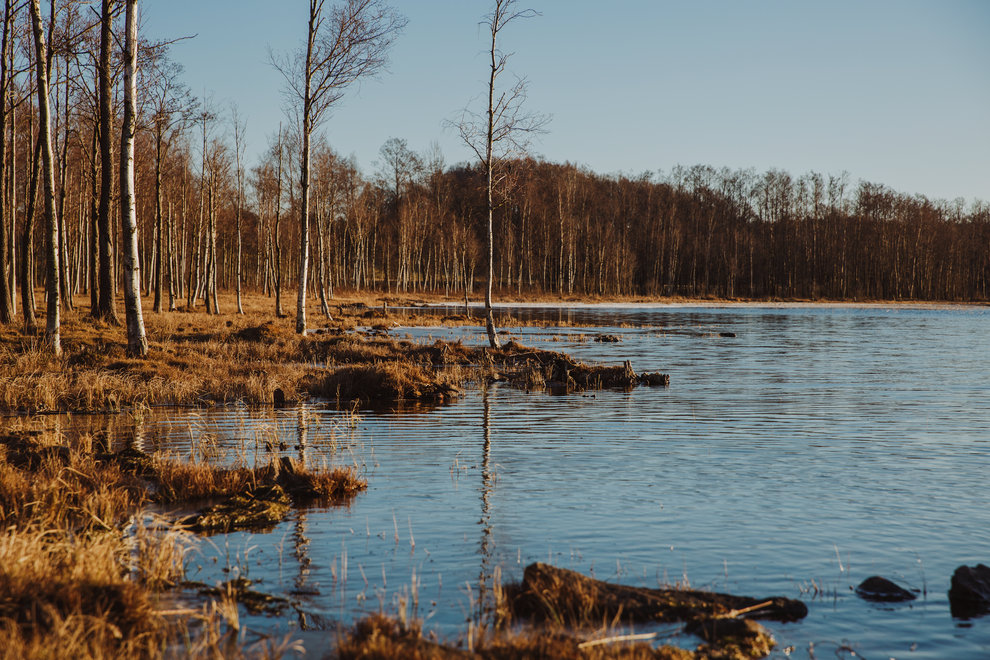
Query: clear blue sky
x=892, y=91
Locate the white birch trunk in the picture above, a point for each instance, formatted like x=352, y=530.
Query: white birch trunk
x=52, y=325
x=137, y=341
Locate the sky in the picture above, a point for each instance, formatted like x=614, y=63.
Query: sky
x=891, y=91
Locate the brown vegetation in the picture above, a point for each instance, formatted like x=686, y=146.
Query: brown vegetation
x=73, y=584
x=199, y=359
x=562, y=606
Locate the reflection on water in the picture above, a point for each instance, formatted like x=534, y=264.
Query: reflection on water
x=815, y=448
x=485, y=579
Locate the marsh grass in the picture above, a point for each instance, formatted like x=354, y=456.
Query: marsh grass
x=557, y=614
x=72, y=584
x=86, y=573
x=202, y=359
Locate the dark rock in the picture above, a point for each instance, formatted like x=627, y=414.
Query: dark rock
x=969, y=593
x=881, y=589
x=726, y=334
x=278, y=398
x=608, y=339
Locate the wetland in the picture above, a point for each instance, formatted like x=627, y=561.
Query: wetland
x=796, y=451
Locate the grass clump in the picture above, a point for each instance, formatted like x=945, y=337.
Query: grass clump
x=384, y=380
x=196, y=358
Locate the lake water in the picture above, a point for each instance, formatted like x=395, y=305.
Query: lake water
x=819, y=446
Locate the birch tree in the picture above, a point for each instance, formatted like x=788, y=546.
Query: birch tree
x=346, y=45
x=106, y=308
x=52, y=321
x=503, y=132
x=137, y=342
x=239, y=128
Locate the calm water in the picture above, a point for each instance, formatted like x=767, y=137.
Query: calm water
x=818, y=447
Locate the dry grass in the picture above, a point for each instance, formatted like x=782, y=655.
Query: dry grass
x=71, y=583
x=200, y=359
x=382, y=638
x=84, y=573
x=568, y=615
x=187, y=481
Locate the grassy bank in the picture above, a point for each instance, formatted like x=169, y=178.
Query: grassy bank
x=86, y=573
x=201, y=359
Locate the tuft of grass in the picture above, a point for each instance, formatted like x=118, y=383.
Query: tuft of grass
x=382, y=380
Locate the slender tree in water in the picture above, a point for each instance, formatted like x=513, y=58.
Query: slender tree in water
x=502, y=133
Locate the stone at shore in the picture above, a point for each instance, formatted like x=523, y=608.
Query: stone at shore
x=882, y=590
x=969, y=593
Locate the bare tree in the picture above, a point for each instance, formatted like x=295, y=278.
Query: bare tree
x=350, y=44
x=239, y=128
x=171, y=108
x=503, y=132
x=6, y=295
x=52, y=322
x=137, y=342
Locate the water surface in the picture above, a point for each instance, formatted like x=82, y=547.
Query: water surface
x=817, y=447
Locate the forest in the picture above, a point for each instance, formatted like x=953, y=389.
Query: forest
x=206, y=220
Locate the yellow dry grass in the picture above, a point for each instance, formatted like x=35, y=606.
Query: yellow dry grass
x=85, y=573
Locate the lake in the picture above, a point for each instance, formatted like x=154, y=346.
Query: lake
x=818, y=446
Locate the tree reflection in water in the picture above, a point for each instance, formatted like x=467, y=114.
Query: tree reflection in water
x=300, y=542
x=486, y=580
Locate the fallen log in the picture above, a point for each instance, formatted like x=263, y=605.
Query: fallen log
x=559, y=594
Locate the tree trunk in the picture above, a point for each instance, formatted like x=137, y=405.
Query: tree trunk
x=63, y=266
x=6, y=302
x=277, y=232
x=27, y=244
x=304, y=177
x=493, y=339
x=52, y=320
x=159, y=260
x=107, y=307
x=137, y=342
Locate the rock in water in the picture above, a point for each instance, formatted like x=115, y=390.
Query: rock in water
x=969, y=594
x=881, y=589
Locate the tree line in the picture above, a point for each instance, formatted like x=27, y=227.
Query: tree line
x=185, y=216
